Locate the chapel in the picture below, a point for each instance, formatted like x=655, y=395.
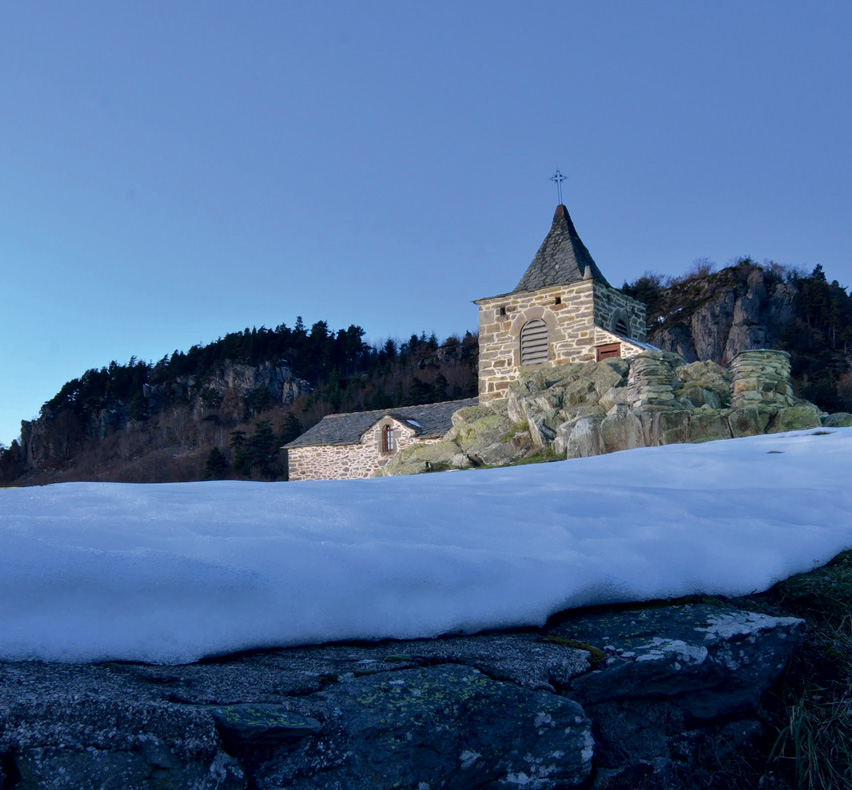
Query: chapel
x=562, y=310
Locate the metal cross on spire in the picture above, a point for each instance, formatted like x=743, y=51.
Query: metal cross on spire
x=558, y=178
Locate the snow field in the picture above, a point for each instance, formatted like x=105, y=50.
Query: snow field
x=174, y=572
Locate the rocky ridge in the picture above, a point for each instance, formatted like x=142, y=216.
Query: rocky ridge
x=657, y=697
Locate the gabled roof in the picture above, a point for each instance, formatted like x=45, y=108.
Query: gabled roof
x=561, y=259
x=428, y=421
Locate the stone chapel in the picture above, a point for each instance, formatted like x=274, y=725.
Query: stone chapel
x=562, y=310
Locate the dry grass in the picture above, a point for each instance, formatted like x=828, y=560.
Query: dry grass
x=812, y=711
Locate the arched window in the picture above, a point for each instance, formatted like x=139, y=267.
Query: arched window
x=620, y=324
x=388, y=439
x=534, y=342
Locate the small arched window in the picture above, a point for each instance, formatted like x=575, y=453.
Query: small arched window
x=534, y=342
x=388, y=439
x=620, y=324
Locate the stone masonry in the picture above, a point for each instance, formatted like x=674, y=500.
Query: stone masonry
x=611, y=305
x=653, y=380
x=349, y=461
x=761, y=378
x=576, y=315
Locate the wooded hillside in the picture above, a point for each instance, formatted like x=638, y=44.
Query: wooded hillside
x=224, y=409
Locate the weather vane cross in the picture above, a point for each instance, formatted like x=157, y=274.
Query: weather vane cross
x=558, y=178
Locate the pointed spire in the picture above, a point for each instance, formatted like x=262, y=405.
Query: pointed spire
x=562, y=258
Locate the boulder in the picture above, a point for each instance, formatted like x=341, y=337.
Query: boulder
x=674, y=683
x=704, y=384
x=65, y=741
x=503, y=452
x=796, y=418
x=434, y=457
x=481, y=432
x=703, y=658
x=542, y=417
x=547, y=398
x=750, y=420
x=667, y=427
x=607, y=374
x=706, y=425
x=612, y=398
x=446, y=725
x=621, y=430
x=492, y=440
x=261, y=723
x=580, y=438
x=840, y=419
x=470, y=414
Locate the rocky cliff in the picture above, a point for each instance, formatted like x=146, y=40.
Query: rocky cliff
x=182, y=418
x=717, y=316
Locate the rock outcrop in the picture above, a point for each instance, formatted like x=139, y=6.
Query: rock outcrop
x=235, y=380
x=718, y=316
x=594, y=700
x=233, y=388
x=656, y=398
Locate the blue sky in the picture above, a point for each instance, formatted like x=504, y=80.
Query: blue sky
x=172, y=171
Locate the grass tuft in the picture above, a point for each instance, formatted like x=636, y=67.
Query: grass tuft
x=812, y=713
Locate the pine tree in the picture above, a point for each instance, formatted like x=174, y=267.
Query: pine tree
x=262, y=450
x=291, y=429
x=239, y=453
x=216, y=465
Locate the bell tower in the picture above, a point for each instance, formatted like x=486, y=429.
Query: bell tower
x=562, y=310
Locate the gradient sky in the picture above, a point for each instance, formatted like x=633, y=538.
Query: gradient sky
x=173, y=171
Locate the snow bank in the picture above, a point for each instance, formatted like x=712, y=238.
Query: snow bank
x=171, y=573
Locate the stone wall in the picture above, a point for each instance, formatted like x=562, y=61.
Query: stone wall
x=578, y=317
x=568, y=312
x=761, y=378
x=628, y=349
x=610, y=305
x=652, y=381
x=348, y=461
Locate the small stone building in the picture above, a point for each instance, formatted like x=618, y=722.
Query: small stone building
x=562, y=310
x=356, y=445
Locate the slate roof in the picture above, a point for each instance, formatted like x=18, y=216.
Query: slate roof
x=562, y=257
x=429, y=421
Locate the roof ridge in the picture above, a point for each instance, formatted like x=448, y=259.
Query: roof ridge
x=348, y=427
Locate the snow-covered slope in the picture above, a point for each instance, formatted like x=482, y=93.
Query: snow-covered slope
x=171, y=573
